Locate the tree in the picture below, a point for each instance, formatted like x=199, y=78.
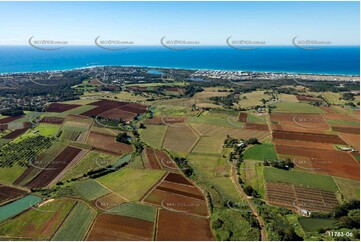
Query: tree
x=123, y=138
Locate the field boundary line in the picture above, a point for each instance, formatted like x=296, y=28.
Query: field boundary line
x=67, y=216
x=111, y=191
x=156, y=220
x=154, y=186
x=163, y=137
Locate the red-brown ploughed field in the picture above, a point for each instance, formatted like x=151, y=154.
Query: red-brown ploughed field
x=179, y=197
x=134, y=108
x=179, y=226
x=331, y=114
x=61, y=107
x=153, y=162
x=52, y=120
x=165, y=161
x=262, y=127
x=166, y=120
x=9, y=119
x=8, y=193
x=300, y=122
x=321, y=138
x=112, y=227
x=48, y=174
x=331, y=162
x=349, y=130
x=117, y=114
x=305, y=98
x=242, y=117
x=306, y=144
x=108, y=144
x=15, y=133
x=351, y=139
x=177, y=178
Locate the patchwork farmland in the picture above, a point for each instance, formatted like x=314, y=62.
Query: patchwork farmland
x=173, y=159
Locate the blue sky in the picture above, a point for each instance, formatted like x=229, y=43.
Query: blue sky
x=210, y=23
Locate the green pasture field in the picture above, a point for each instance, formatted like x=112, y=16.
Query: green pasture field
x=135, y=210
x=252, y=173
x=154, y=135
x=260, y=152
x=292, y=107
x=204, y=165
x=346, y=122
x=76, y=224
x=131, y=183
x=90, y=189
x=209, y=145
x=8, y=175
x=40, y=222
x=93, y=160
x=79, y=110
x=314, y=224
x=350, y=189
x=319, y=181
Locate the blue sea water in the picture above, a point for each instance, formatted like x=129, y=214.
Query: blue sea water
x=339, y=60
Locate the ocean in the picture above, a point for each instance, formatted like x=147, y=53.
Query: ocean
x=336, y=60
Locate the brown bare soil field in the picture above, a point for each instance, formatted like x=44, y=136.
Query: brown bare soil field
x=166, y=120
x=242, y=117
x=52, y=120
x=349, y=130
x=9, y=119
x=331, y=162
x=177, y=178
x=3, y=126
x=112, y=227
x=8, y=193
x=165, y=161
x=189, y=191
x=108, y=143
x=301, y=122
x=351, y=139
x=176, y=202
x=299, y=197
x=153, y=162
x=313, y=137
x=48, y=174
x=304, y=98
x=95, y=81
x=306, y=144
x=262, y=127
x=61, y=107
x=95, y=111
x=134, y=108
x=137, y=88
x=331, y=114
x=117, y=114
x=108, y=201
x=16, y=133
x=179, y=226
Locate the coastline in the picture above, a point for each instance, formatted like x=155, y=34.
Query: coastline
x=176, y=68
